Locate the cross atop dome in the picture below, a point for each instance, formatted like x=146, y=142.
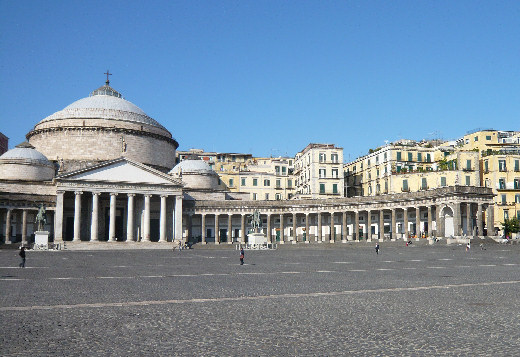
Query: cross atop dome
x=108, y=74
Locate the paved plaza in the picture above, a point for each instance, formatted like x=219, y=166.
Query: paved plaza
x=319, y=300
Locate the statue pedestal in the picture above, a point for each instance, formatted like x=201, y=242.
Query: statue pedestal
x=256, y=238
x=41, y=238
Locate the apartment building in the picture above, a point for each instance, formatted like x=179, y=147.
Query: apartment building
x=318, y=171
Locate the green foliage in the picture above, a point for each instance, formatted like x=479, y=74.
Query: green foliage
x=511, y=225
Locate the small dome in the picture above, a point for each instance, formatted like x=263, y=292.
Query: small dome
x=192, y=166
x=196, y=174
x=25, y=163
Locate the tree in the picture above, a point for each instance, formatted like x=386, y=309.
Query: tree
x=511, y=226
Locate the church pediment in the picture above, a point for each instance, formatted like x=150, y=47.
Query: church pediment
x=120, y=171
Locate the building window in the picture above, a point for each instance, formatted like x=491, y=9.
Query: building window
x=289, y=183
x=267, y=182
x=506, y=214
x=424, y=183
x=428, y=158
x=405, y=185
x=335, y=173
x=503, y=199
x=488, y=137
x=278, y=197
x=277, y=170
x=254, y=196
x=517, y=198
x=322, y=188
x=231, y=182
x=486, y=166
x=368, y=163
x=502, y=184
x=419, y=156
x=323, y=157
x=278, y=183
x=335, y=188
x=266, y=196
x=501, y=165
x=475, y=138
x=322, y=173
x=219, y=182
x=334, y=158
x=255, y=182
x=468, y=164
x=243, y=182
x=398, y=156
x=410, y=156
x=468, y=180
x=443, y=181
x=517, y=165
x=516, y=184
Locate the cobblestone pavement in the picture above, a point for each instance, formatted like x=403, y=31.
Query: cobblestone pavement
x=295, y=301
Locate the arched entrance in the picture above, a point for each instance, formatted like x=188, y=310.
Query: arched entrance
x=447, y=217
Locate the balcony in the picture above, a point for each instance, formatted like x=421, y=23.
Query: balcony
x=405, y=189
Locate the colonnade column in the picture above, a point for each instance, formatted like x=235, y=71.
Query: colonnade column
x=295, y=235
x=162, y=219
x=344, y=226
x=281, y=229
x=177, y=235
x=318, y=235
x=369, y=225
x=456, y=219
x=393, y=229
x=307, y=227
x=58, y=218
x=130, y=219
x=439, y=220
x=469, y=220
x=203, y=228
x=94, y=226
x=381, y=225
x=24, y=227
x=243, y=228
x=355, y=234
x=112, y=219
x=217, y=230
x=332, y=228
x=8, y=226
x=479, y=220
x=77, y=216
x=146, y=223
x=429, y=221
x=491, y=220
x=230, y=229
x=405, y=217
x=418, y=222
x=268, y=232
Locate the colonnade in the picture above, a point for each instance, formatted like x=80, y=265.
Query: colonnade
x=17, y=220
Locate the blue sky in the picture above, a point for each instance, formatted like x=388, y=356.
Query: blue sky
x=269, y=77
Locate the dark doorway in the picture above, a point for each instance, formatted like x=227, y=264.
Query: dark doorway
x=69, y=228
x=154, y=229
x=223, y=235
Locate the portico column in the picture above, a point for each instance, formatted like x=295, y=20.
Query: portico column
x=469, y=220
x=217, y=230
x=8, y=226
x=94, y=217
x=295, y=235
x=405, y=216
x=479, y=220
x=58, y=218
x=307, y=227
x=429, y=221
x=369, y=225
x=355, y=234
x=381, y=225
x=146, y=223
x=332, y=228
x=230, y=228
x=130, y=219
x=24, y=227
x=178, y=219
x=162, y=219
x=77, y=216
x=344, y=226
x=203, y=228
x=319, y=235
x=112, y=218
x=269, y=235
x=243, y=228
x=491, y=220
x=456, y=220
x=282, y=238
x=418, y=222
x=393, y=229
x=439, y=220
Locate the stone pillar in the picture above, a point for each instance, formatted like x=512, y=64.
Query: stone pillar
x=282, y=238
x=381, y=225
x=355, y=234
x=491, y=220
x=295, y=235
x=332, y=228
x=146, y=223
x=77, y=216
x=269, y=235
x=8, y=226
x=369, y=225
x=456, y=220
x=479, y=221
x=469, y=220
x=405, y=217
x=430, y=222
x=94, y=223
x=162, y=219
x=230, y=229
x=178, y=219
x=344, y=226
x=130, y=219
x=319, y=235
x=217, y=230
x=418, y=222
x=112, y=218
x=439, y=221
x=203, y=228
x=243, y=228
x=393, y=229
x=58, y=218
x=24, y=227
x=307, y=229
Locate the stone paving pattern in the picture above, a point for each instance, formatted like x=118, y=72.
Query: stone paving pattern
x=295, y=301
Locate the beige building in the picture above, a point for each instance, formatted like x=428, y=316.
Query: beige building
x=318, y=171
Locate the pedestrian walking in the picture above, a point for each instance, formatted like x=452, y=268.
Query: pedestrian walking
x=180, y=246
x=377, y=248
x=241, y=256
x=22, y=255
x=468, y=246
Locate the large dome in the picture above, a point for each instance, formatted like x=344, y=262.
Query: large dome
x=101, y=127
x=26, y=164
